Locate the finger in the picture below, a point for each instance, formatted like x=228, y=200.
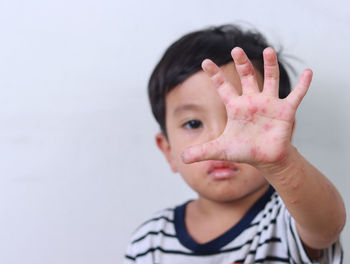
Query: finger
x=224, y=87
x=271, y=72
x=245, y=71
x=301, y=88
x=207, y=151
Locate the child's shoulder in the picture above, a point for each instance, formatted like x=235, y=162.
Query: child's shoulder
x=160, y=222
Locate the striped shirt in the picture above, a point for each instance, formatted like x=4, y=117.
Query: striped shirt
x=266, y=234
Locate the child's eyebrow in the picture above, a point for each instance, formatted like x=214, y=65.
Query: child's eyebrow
x=187, y=107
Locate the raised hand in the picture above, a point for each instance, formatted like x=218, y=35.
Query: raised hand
x=259, y=125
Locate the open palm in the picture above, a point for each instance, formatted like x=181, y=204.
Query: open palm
x=260, y=124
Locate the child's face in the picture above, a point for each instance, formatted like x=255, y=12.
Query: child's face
x=195, y=114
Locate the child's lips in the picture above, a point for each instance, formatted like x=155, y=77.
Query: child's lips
x=221, y=170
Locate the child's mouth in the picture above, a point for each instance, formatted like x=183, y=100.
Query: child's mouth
x=221, y=170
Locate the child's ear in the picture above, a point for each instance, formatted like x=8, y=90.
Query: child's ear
x=164, y=146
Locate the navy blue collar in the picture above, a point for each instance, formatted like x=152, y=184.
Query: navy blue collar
x=215, y=245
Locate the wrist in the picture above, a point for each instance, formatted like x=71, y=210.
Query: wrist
x=286, y=163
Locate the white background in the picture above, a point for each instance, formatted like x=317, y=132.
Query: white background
x=79, y=170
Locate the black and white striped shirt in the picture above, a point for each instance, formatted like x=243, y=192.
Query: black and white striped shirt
x=266, y=234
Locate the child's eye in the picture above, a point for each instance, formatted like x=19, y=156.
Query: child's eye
x=193, y=124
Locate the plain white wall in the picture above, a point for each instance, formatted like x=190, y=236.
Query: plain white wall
x=79, y=169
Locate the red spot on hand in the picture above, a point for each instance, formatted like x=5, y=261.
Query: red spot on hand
x=281, y=155
x=253, y=152
x=249, y=116
x=253, y=110
x=267, y=127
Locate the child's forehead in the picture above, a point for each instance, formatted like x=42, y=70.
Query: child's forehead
x=195, y=94
x=193, y=84
x=191, y=88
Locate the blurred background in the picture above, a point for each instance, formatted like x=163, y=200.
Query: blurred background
x=79, y=169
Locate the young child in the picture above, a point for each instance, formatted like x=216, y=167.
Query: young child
x=227, y=130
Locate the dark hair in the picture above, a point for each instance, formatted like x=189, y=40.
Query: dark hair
x=184, y=57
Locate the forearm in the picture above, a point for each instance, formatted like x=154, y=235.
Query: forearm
x=310, y=197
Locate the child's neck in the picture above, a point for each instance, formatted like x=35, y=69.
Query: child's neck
x=216, y=217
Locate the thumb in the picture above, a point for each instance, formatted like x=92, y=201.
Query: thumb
x=207, y=151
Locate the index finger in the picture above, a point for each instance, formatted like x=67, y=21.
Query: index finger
x=215, y=73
